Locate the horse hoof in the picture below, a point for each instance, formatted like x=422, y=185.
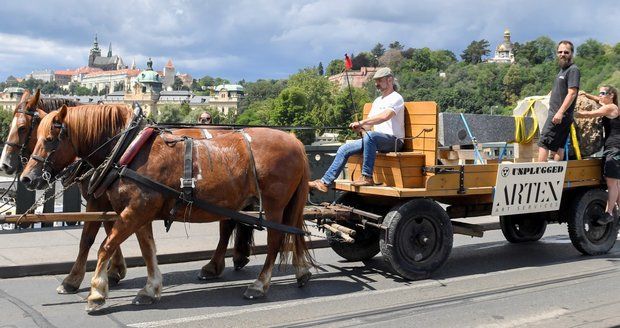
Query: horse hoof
x=252, y=293
x=206, y=274
x=94, y=305
x=303, y=280
x=143, y=300
x=240, y=263
x=114, y=279
x=67, y=289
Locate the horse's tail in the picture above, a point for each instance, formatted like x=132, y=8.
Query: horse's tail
x=294, y=216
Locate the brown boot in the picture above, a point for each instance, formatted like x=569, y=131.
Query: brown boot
x=363, y=181
x=318, y=185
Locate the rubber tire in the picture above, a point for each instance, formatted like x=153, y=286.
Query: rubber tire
x=588, y=237
x=522, y=228
x=366, y=244
x=396, y=243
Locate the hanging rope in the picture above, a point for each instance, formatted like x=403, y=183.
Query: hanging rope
x=521, y=135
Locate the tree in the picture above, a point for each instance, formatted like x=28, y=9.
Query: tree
x=169, y=114
x=335, y=66
x=396, y=46
x=475, y=51
x=363, y=59
x=6, y=116
x=320, y=69
x=536, y=52
x=591, y=49
x=392, y=58
x=259, y=91
x=177, y=84
x=257, y=113
x=378, y=50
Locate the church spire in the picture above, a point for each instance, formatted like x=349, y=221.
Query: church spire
x=110, y=50
x=95, y=43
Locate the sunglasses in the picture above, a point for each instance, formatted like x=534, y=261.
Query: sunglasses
x=603, y=93
x=205, y=120
x=564, y=52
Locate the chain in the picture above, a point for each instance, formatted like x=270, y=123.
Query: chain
x=51, y=185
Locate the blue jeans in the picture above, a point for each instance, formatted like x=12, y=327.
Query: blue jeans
x=370, y=143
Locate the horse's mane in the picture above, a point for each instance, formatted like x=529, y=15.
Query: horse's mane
x=50, y=104
x=91, y=125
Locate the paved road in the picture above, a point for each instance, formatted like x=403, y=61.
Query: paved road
x=486, y=283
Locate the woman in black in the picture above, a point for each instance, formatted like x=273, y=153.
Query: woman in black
x=608, y=98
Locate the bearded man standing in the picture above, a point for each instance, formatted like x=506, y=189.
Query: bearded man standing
x=561, y=105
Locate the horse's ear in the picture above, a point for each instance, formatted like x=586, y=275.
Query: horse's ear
x=35, y=99
x=25, y=96
x=41, y=113
x=62, y=113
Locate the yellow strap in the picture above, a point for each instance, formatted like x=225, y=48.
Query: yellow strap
x=521, y=136
x=573, y=137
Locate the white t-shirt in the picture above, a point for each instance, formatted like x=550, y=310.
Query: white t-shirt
x=396, y=125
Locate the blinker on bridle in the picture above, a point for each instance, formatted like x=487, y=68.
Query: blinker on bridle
x=50, y=146
x=23, y=156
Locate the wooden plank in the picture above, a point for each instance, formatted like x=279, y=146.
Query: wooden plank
x=397, y=161
x=390, y=170
x=421, y=119
x=58, y=217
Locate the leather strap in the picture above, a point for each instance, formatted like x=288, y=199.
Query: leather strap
x=211, y=208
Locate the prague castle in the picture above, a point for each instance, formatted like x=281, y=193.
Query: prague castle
x=107, y=63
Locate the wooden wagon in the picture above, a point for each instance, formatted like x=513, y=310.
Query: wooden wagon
x=418, y=199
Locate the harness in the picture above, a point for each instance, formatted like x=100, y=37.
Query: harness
x=111, y=169
x=22, y=147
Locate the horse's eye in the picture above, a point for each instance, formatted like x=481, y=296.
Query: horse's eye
x=49, y=139
x=21, y=129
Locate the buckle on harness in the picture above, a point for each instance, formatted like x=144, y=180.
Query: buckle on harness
x=188, y=183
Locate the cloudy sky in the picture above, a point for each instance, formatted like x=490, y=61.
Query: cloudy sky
x=273, y=39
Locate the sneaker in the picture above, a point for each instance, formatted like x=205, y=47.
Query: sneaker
x=605, y=219
x=318, y=185
x=363, y=181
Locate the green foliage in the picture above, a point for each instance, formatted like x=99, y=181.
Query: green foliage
x=396, y=45
x=320, y=70
x=378, y=50
x=169, y=114
x=591, y=49
x=6, y=116
x=335, y=66
x=475, y=51
x=535, y=52
x=259, y=91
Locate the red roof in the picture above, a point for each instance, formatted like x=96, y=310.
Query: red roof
x=81, y=70
x=128, y=71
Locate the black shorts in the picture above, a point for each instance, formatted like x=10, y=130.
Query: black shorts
x=554, y=136
x=612, y=164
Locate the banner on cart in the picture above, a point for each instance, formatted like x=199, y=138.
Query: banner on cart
x=528, y=187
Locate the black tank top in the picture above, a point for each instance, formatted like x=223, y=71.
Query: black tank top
x=613, y=139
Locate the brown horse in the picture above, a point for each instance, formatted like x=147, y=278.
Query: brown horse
x=224, y=177
x=20, y=143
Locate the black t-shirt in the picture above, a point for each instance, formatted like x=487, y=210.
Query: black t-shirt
x=567, y=78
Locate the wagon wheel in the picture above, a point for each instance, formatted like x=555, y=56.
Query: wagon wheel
x=523, y=227
x=418, y=240
x=586, y=235
x=366, y=244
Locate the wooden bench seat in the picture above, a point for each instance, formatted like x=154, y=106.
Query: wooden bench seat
x=404, y=169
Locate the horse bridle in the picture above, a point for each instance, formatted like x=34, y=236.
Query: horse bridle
x=50, y=146
x=23, y=156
